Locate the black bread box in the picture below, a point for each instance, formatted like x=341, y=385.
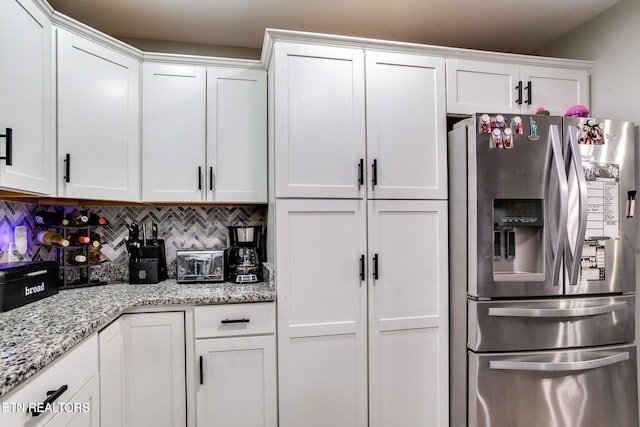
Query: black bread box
x=25, y=282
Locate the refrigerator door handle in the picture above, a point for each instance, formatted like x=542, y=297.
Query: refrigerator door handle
x=513, y=365
x=556, y=312
x=576, y=160
x=554, y=136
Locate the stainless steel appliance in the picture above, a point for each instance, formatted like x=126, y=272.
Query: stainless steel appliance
x=200, y=265
x=543, y=246
x=243, y=259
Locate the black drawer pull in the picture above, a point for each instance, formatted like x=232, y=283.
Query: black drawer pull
x=52, y=396
x=227, y=321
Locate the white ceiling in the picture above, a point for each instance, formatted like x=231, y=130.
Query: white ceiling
x=519, y=26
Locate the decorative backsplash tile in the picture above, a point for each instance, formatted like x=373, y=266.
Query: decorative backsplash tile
x=180, y=227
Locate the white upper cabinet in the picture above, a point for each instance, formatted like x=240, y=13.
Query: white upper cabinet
x=477, y=86
x=324, y=125
x=406, y=126
x=173, y=133
x=204, y=134
x=98, y=121
x=26, y=105
x=236, y=135
x=319, y=121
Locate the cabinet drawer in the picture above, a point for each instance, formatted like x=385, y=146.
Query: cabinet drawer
x=234, y=319
x=73, y=369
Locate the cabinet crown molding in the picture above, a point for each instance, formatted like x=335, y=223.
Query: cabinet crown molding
x=273, y=36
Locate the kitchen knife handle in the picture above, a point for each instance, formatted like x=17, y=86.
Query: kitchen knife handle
x=201, y=371
x=375, y=267
x=360, y=173
x=374, y=173
x=8, y=157
x=528, y=88
x=199, y=177
x=362, y=268
x=51, y=397
x=210, y=178
x=67, y=168
x=519, y=88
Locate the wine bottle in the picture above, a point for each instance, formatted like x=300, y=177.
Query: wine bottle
x=50, y=218
x=78, y=219
x=95, y=240
x=78, y=239
x=76, y=257
x=95, y=219
x=95, y=255
x=51, y=238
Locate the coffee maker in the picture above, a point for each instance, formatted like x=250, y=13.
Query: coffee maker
x=243, y=258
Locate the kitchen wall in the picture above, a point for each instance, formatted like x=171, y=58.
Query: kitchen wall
x=611, y=40
x=180, y=227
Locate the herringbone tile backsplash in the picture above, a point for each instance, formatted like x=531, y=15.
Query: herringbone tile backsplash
x=180, y=227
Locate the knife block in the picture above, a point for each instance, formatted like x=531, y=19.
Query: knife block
x=151, y=267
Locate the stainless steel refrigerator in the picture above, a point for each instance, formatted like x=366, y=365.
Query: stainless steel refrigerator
x=542, y=270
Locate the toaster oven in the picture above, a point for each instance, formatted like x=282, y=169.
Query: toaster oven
x=200, y=265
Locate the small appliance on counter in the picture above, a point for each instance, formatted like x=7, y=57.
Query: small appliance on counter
x=24, y=282
x=200, y=265
x=243, y=259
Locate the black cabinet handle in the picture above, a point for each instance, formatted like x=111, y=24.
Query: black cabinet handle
x=52, y=396
x=374, y=172
x=375, y=267
x=67, y=168
x=362, y=268
x=227, y=321
x=360, y=173
x=199, y=177
x=210, y=178
x=201, y=372
x=8, y=158
x=528, y=88
x=519, y=88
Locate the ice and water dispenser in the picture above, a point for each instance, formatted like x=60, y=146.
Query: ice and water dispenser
x=518, y=240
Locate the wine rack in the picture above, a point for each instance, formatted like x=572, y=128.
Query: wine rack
x=82, y=269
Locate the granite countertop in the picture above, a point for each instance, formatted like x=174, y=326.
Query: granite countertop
x=33, y=336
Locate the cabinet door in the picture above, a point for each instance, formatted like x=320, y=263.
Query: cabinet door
x=173, y=133
x=406, y=126
x=98, y=121
x=85, y=406
x=476, y=86
x=238, y=382
x=154, y=360
x=236, y=135
x=319, y=121
x=112, y=403
x=555, y=89
x=26, y=103
x=408, y=313
x=322, y=300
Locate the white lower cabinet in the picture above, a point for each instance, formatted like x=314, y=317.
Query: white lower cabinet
x=337, y=261
x=237, y=371
x=142, y=361
x=87, y=397
x=69, y=385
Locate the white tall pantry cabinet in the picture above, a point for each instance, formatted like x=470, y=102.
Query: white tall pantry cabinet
x=358, y=175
